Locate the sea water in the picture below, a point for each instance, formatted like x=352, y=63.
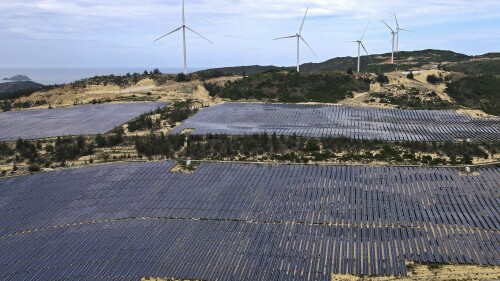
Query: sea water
x=62, y=75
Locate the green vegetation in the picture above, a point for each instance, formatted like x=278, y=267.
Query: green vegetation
x=14, y=90
x=490, y=64
x=236, y=70
x=28, y=104
x=124, y=80
x=433, y=79
x=172, y=114
x=413, y=99
x=378, y=64
x=260, y=147
x=5, y=105
x=382, y=79
x=290, y=86
x=477, y=92
x=159, y=145
x=213, y=89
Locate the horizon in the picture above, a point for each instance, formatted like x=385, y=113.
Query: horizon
x=96, y=34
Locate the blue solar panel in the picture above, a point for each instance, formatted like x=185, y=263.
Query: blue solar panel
x=71, y=121
x=239, y=221
x=341, y=121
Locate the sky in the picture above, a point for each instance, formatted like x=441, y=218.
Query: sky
x=121, y=33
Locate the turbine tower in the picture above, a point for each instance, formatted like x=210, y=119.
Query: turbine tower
x=398, y=29
x=393, y=38
x=360, y=44
x=184, y=27
x=299, y=37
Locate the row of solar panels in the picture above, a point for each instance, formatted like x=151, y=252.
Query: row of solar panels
x=71, y=121
x=238, y=249
x=361, y=195
x=341, y=121
x=237, y=221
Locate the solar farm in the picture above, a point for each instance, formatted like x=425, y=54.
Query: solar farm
x=341, y=121
x=244, y=221
x=77, y=120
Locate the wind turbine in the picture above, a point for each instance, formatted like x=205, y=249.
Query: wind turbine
x=360, y=44
x=299, y=37
x=398, y=29
x=184, y=27
x=393, y=37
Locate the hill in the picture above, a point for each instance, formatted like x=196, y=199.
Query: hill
x=11, y=90
x=290, y=86
x=18, y=78
x=478, y=92
x=485, y=64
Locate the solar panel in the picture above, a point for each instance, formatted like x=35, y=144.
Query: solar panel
x=71, y=121
x=341, y=121
x=237, y=221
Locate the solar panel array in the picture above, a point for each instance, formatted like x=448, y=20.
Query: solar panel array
x=244, y=221
x=71, y=121
x=341, y=121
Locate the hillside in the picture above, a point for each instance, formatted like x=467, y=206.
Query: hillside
x=478, y=92
x=17, y=78
x=16, y=89
x=290, y=86
x=485, y=64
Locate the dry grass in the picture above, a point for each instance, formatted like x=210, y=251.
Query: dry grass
x=433, y=273
x=144, y=90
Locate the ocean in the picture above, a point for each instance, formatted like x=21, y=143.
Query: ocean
x=62, y=75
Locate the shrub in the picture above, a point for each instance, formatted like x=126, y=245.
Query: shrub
x=382, y=79
x=33, y=168
x=433, y=79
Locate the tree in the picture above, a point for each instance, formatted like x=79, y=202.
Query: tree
x=312, y=145
x=382, y=79
x=433, y=79
x=181, y=77
x=410, y=75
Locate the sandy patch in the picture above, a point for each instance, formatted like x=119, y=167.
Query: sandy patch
x=475, y=113
x=434, y=273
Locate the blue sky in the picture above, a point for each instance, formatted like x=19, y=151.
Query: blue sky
x=120, y=33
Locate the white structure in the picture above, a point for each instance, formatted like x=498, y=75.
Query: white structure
x=299, y=37
x=393, y=41
x=184, y=27
x=360, y=44
x=398, y=29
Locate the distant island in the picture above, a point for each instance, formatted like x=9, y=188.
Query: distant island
x=18, y=78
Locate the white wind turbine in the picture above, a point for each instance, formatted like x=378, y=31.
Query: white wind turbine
x=360, y=44
x=393, y=39
x=299, y=37
x=184, y=27
x=398, y=29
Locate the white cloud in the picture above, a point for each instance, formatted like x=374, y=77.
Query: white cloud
x=242, y=29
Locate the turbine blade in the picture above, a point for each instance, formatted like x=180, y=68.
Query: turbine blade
x=387, y=25
x=169, y=33
x=302, y=25
x=308, y=46
x=405, y=30
x=199, y=35
x=293, y=36
x=397, y=23
x=366, y=52
x=366, y=28
x=183, y=16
